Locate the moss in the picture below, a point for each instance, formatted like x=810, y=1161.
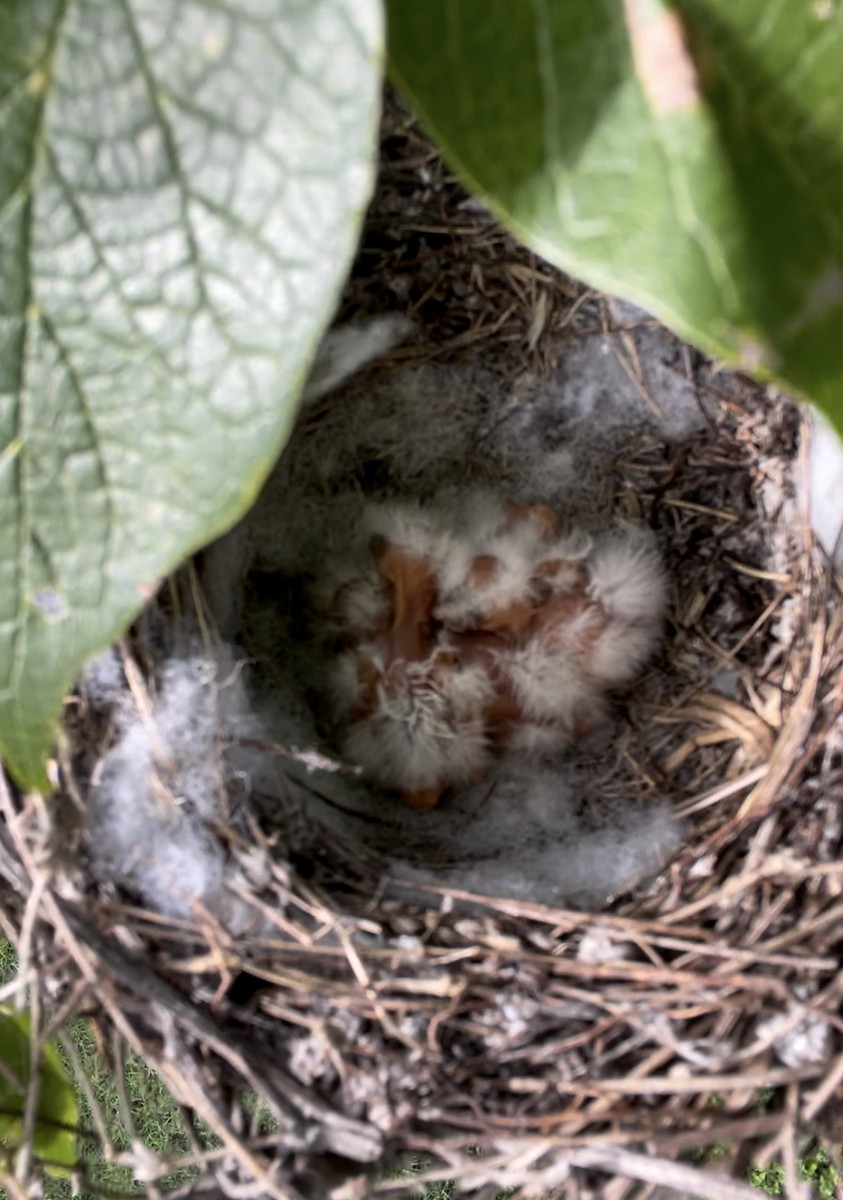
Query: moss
x=770, y=1179
x=815, y=1166
x=821, y=1171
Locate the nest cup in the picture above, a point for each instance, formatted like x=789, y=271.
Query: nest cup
x=470, y=703
x=585, y=970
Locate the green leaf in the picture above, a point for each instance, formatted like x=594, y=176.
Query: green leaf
x=181, y=187
x=687, y=156
x=54, y=1143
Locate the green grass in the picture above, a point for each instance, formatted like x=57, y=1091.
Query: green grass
x=447, y=1190
x=158, y=1120
x=8, y=960
x=815, y=1166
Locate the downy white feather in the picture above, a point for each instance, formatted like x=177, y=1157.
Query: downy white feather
x=627, y=577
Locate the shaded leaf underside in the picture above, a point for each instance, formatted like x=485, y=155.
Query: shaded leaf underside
x=688, y=156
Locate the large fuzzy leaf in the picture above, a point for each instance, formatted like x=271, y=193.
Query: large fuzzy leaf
x=181, y=185
x=688, y=156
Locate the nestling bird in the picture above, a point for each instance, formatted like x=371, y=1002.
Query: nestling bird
x=472, y=632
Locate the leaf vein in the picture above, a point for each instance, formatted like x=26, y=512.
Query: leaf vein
x=19, y=637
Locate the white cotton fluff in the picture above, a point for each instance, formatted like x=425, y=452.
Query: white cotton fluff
x=160, y=792
x=797, y=1041
x=104, y=682
x=529, y=835
x=825, y=486
x=347, y=349
x=477, y=511
x=604, y=400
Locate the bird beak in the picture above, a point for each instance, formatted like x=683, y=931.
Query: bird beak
x=423, y=801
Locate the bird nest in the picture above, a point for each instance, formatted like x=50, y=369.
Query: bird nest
x=615, y=971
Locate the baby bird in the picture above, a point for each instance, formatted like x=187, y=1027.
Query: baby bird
x=483, y=631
